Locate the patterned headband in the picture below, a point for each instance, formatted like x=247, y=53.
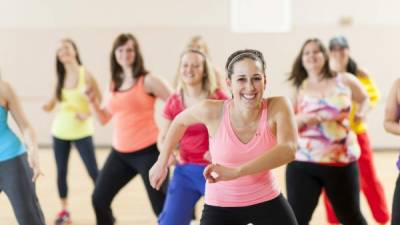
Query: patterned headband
x=241, y=54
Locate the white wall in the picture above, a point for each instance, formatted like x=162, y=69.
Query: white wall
x=30, y=30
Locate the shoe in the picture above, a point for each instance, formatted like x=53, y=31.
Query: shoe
x=63, y=218
x=194, y=222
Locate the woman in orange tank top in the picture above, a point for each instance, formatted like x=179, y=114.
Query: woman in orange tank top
x=130, y=103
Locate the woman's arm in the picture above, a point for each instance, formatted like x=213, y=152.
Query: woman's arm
x=50, y=105
x=203, y=112
x=282, y=153
x=369, y=85
x=92, y=84
x=101, y=112
x=164, y=125
x=28, y=133
x=358, y=95
x=157, y=87
x=391, y=123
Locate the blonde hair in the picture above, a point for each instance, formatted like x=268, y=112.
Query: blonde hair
x=200, y=43
x=209, y=83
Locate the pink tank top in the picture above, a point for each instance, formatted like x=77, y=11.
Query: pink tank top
x=227, y=150
x=133, y=114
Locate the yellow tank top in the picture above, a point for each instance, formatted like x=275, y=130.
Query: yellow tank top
x=66, y=125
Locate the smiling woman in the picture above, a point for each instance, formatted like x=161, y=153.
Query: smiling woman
x=196, y=82
x=131, y=102
x=249, y=136
x=327, y=152
x=73, y=122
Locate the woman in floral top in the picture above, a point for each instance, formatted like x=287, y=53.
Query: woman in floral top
x=327, y=149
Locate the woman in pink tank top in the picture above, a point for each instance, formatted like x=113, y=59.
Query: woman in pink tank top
x=249, y=136
x=131, y=104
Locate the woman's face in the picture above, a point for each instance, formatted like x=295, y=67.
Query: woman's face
x=66, y=52
x=339, y=57
x=125, y=54
x=312, y=57
x=247, y=82
x=191, y=69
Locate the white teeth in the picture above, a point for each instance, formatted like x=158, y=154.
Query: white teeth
x=249, y=97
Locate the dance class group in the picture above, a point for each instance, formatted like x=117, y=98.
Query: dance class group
x=219, y=137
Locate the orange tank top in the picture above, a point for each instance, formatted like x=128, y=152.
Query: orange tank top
x=133, y=114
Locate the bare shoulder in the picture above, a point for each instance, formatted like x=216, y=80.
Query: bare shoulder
x=348, y=79
x=212, y=108
x=346, y=76
x=278, y=105
x=2, y=91
x=396, y=88
x=5, y=92
x=362, y=73
x=396, y=83
x=5, y=88
x=149, y=78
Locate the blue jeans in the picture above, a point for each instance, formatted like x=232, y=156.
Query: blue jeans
x=185, y=189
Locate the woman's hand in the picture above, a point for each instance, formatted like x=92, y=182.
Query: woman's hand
x=33, y=160
x=90, y=94
x=215, y=172
x=82, y=116
x=157, y=175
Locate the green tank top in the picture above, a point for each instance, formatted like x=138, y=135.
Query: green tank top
x=66, y=125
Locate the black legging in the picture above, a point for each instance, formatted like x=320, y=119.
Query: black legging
x=274, y=212
x=304, y=182
x=396, y=204
x=118, y=170
x=62, y=148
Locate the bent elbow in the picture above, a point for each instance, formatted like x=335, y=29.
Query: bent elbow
x=292, y=147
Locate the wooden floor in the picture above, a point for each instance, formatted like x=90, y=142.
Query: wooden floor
x=131, y=205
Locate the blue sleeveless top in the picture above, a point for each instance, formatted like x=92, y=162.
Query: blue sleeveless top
x=10, y=145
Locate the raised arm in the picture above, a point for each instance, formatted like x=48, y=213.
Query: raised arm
x=281, y=113
x=28, y=133
x=391, y=123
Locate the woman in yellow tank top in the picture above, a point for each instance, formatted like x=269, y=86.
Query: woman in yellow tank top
x=73, y=122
